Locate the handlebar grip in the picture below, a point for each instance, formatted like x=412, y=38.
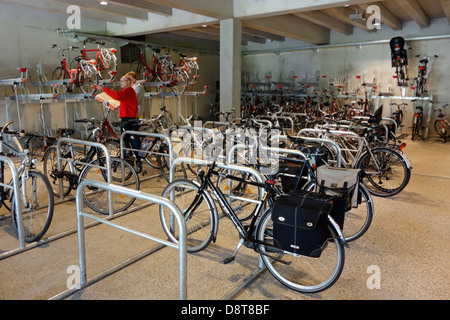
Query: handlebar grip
x=82, y=120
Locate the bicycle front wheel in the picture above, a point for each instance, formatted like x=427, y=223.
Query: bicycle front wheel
x=37, y=203
x=198, y=210
x=300, y=273
x=122, y=174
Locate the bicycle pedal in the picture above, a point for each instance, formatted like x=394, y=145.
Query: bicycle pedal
x=228, y=260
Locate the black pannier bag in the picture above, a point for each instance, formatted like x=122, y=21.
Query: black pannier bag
x=300, y=222
x=295, y=176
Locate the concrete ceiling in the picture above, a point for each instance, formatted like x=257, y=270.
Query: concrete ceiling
x=197, y=21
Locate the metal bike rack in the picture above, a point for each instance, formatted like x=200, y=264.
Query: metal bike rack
x=73, y=161
x=146, y=134
x=16, y=189
x=181, y=246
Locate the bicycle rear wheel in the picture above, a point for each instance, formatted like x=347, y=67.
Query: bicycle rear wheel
x=300, y=273
x=442, y=129
x=198, y=210
x=386, y=172
x=37, y=203
x=50, y=165
x=122, y=174
x=357, y=220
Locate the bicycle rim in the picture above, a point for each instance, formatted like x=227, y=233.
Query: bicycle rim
x=37, y=206
x=385, y=173
x=201, y=218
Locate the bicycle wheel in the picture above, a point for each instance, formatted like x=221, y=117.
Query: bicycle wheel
x=180, y=80
x=50, y=165
x=164, y=70
x=357, y=220
x=243, y=197
x=150, y=145
x=122, y=174
x=36, y=200
x=417, y=124
x=442, y=129
x=300, y=273
x=386, y=172
x=198, y=210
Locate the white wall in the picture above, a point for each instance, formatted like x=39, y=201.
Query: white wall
x=26, y=37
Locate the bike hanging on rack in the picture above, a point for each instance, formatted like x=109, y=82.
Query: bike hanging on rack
x=160, y=71
x=399, y=59
x=81, y=76
x=422, y=75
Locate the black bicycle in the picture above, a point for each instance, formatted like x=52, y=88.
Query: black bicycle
x=422, y=75
x=417, y=122
x=77, y=166
x=299, y=272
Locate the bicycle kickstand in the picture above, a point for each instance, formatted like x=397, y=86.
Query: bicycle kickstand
x=231, y=259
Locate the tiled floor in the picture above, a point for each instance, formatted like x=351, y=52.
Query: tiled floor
x=408, y=243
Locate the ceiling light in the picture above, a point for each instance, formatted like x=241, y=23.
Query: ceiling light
x=103, y=3
x=204, y=25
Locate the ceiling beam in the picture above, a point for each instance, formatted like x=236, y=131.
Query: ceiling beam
x=143, y=5
x=219, y=9
x=291, y=27
x=446, y=6
x=325, y=20
x=61, y=8
x=262, y=34
x=343, y=14
x=415, y=11
x=112, y=8
x=387, y=17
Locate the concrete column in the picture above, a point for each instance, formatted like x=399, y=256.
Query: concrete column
x=230, y=64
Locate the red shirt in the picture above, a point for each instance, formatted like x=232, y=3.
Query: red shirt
x=128, y=101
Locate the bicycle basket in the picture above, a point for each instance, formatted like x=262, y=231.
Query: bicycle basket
x=300, y=222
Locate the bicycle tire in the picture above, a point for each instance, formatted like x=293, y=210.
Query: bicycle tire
x=357, y=220
x=50, y=169
x=303, y=274
x=152, y=146
x=201, y=223
x=442, y=129
x=417, y=124
x=97, y=200
x=38, y=212
x=393, y=175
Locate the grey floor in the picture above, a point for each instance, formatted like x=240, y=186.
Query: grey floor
x=408, y=243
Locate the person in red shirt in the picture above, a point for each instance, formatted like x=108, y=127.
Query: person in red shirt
x=128, y=111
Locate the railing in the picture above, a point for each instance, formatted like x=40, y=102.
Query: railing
x=107, y=166
x=181, y=246
x=16, y=191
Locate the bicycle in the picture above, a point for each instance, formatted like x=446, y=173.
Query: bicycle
x=81, y=76
x=161, y=69
x=417, y=122
x=399, y=60
x=35, y=198
x=298, y=272
x=422, y=75
x=185, y=73
x=91, y=165
x=105, y=61
x=441, y=125
x=397, y=115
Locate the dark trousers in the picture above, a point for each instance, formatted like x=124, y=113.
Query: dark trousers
x=131, y=124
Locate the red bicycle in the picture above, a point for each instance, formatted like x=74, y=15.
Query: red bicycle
x=78, y=77
x=185, y=73
x=105, y=61
x=160, y=71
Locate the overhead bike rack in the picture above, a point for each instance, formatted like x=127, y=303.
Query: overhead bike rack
x=181, y=246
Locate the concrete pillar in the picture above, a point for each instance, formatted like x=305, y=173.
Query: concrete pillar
x=230, y=64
